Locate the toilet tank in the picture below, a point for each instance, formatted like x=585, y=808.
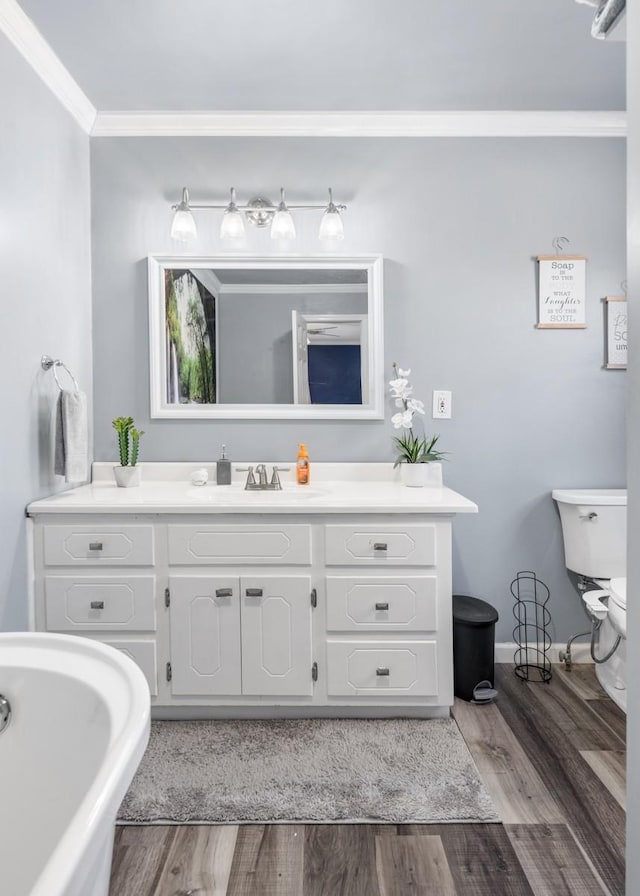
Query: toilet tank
x=594, y=529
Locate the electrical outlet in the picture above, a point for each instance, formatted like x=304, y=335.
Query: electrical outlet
x=441, y=404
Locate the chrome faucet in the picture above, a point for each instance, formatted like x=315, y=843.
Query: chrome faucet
x=262, y=485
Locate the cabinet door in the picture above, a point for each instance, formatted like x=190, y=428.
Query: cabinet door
x=276, y=635
x=205, y=635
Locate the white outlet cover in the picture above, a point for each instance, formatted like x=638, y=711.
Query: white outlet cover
x=441, y=404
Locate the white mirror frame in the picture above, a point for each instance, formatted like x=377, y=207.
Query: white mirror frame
x=373, y=410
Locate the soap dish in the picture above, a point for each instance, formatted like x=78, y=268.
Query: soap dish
x=199, y=477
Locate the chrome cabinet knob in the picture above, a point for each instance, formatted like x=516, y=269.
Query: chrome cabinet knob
x=97, y=605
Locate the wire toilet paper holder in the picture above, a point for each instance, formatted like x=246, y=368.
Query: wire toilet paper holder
x=531, y=658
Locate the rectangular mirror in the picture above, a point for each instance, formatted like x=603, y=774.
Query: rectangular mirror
x=266, y=337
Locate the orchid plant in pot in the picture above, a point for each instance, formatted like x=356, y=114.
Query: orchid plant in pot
x=415, y=453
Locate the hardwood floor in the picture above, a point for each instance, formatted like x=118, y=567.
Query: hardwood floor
x=552, y=758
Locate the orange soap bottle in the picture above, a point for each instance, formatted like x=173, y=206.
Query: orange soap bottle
x=302, y=466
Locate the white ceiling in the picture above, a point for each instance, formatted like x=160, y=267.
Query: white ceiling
x=333, y=54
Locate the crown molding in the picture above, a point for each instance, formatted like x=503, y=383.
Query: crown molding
x=23, y=34
x=361, y=124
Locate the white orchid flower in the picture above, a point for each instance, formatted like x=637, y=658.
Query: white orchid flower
x=402, y=420
x=400, y=388
x=416, y=405
x=404, y=373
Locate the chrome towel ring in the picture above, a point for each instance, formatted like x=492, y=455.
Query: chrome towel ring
x=48, y=363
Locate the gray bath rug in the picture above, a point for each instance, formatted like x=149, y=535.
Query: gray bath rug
x=315, y=770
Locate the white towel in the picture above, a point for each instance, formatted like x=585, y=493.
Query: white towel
x=72, y=437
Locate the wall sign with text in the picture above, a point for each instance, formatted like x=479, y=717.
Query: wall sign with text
x=616, y=332
x=562, y=292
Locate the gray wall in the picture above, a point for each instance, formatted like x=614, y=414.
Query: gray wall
x=255, y=330
x=459, y=222
x=633, y=425
x=46, y=297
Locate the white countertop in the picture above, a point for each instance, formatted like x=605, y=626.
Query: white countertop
x=335, y=488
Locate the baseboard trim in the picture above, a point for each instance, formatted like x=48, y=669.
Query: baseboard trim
x=580, y=652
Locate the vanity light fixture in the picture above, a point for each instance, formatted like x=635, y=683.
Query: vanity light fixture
x=331, y=225
x=232, y=226
x=183, y=227
x=258, y=211
x=282, y=226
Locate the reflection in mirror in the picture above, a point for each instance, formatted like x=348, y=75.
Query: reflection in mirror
x=265, y=337
x=329, y=358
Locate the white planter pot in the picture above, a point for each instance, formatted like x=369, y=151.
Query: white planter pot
x=421, y=475
x=127, y=477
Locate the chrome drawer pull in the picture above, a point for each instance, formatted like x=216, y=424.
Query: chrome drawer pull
x=95, y=545
x=382, y=606
x=224, y=592
x=253, y=592
x=382, y=671
x=97, y=605
x=380, y=546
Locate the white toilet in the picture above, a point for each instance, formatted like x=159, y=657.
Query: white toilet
x=594, y=529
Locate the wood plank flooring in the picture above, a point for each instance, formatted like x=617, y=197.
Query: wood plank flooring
x=552, y=756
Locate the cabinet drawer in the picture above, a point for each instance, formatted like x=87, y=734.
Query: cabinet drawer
x=197, y=545
x=92, y=603
x=410, y=545
x=381, y=669
x=143, y=654
x=103, y=546
x=382, y=603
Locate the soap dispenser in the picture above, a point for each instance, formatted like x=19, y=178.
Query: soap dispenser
x=302, y=466
x=223, y=469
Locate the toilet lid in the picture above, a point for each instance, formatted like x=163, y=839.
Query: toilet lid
x=618, y=588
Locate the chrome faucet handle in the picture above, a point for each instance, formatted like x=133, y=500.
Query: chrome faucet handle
x=275, y=478
x=261, y=470
x=251, y=481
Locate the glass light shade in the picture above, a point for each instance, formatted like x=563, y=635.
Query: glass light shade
x=282, y=226
x=183, y=227
x=232, y=226
x=331, y=225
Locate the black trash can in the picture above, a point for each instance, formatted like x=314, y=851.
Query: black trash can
x=474, y=625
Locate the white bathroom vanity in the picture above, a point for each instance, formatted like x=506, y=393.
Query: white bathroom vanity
x=328, y=599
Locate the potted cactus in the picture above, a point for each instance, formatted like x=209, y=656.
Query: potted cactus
x=127, y=474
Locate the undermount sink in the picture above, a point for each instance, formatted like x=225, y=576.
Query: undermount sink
x=237, y=494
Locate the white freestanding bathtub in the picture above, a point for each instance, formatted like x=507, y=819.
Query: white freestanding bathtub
x=77, y=729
